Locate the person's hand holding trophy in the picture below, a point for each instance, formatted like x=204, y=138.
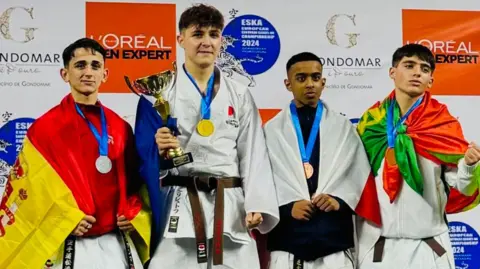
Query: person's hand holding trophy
x=156, y=85
x=167, y=143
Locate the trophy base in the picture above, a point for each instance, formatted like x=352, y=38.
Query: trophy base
x=176, y=161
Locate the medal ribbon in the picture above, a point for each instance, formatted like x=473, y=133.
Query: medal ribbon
x=103, y=139
x=207, y=99
x=391, y=128
x=306, y=153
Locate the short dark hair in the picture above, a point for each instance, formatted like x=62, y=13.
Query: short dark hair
x=302, y=57
x=410, y=50
x=201, y=15
x=86, y=43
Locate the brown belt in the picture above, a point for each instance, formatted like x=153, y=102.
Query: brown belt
x=431, y=242
x=206, y=184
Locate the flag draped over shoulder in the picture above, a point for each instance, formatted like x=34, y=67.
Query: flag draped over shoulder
x=147, y=122
x=346, y=173
x=37, y=212
x=48, y=192
x=432, y=133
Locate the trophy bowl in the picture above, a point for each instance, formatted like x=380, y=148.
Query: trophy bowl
x=156, y=85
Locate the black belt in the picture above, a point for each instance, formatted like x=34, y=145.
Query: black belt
x=297, y=263
x=69, y=252
x=205, y=184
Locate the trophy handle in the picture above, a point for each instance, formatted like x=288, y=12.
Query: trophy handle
x=129, y=84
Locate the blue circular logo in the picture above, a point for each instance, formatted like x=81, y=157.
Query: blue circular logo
x=253, y=42
x=465, y=245
x=11, y=138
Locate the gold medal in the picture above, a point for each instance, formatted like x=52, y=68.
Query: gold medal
x=205, y=127
x=308, y=170
x=390, y=156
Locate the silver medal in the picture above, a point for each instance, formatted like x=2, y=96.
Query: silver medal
x=103, y=164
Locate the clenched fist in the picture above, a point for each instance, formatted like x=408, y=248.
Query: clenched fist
x=253, y=220
x=472, y=156
x=165, y=140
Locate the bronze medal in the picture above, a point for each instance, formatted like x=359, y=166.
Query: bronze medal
x=390, y=156
x=308, y=170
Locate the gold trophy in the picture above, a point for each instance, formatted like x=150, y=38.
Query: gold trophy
x=155, y=85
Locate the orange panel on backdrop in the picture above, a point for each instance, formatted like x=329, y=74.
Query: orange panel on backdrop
x=454, y=38
x=267, y=114
x=139, y=38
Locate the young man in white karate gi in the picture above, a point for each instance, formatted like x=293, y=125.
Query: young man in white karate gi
x=228, y=188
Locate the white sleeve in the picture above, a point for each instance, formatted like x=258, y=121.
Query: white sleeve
x=254, y=165
x=462, y=178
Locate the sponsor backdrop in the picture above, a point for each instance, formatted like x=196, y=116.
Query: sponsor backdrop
x=354, y=40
